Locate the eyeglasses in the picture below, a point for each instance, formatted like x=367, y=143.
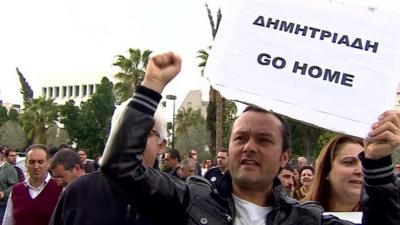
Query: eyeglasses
x=154, y=133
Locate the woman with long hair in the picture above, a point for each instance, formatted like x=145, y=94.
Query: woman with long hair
x=338, y=175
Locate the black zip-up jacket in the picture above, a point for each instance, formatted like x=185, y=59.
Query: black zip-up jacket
x=91, y=199
x=198, y=201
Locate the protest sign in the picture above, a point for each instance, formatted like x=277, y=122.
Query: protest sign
x=331, y=65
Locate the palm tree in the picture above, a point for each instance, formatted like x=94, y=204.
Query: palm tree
x=131, y=74
x=187, y=117
x=214, y=95
x=40, y=115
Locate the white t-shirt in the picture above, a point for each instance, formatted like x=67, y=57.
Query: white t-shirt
x=248, y=213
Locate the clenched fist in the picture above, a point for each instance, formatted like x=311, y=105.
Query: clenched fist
x=384, y=137
x=160, y=70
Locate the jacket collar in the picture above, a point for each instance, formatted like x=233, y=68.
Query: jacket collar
x=223, y=187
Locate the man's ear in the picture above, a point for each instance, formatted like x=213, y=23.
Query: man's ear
x=77, y=167
x=163, y=146
x=285, y=157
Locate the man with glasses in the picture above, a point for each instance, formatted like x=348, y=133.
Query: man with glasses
x=91, y=199
x=66, y=166
x=259, y=146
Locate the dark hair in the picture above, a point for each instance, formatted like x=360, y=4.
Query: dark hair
x=67, y=158
x=286, y=167
x=174, y=154
x=53, y=151
x=306, y=168
x=320, y=188
x=83, y=150
x=286, y=139
x=224, y=150
x=7, y=152
x=39, y=146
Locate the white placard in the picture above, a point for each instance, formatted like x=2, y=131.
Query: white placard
x=328, y=64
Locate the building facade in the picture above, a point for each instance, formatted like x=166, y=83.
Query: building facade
x=194, y=100
x=64, y=93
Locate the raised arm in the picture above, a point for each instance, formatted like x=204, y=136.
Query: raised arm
x=122, y=159
x=381, y=194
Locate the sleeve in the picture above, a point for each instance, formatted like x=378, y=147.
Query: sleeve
x=12, y=178
x=57, y=218
x=8, y=214
x=380, y=198
x=122, y=163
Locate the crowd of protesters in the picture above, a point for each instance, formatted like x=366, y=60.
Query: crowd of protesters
x=251, y=181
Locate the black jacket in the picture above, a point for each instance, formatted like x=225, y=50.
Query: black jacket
x=198, y=201
x=90, y=199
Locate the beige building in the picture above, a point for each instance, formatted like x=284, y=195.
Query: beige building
x=194, y=100
x=64, y=93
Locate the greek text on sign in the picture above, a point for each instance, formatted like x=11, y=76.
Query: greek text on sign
x=331, y=65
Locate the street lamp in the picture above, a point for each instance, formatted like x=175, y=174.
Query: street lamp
x=172, y=97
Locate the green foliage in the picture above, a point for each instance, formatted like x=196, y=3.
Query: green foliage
x=89, y=124
x=196, y=137
x=191, y=131
x=396, y=155
x=211, y=123
x=229, y=116
x=13, y=115
x=37, y=117
x=214, y=25
x=203, y=56
x=12, y=135
x=131, y=74
x=3, y=114
x=187, y=117
x=307, y=140
x=26, y=90
x=56, y=136
x=69, y=118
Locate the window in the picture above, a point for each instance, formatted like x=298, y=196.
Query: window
x=50, y=92
x=91, y=89
x=57, y=92
x=76, y=90
x=84, y=90
x=70, y=91
x=64, y=91
x=44, y=92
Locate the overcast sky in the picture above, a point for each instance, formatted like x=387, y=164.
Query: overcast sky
x=55, y=42
x=75, y=41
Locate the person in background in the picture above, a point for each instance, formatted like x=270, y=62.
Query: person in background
x=8, y=178
x=338, y=177
x=92, y=200
x=306, y=178
x=259, y=146
x=88, y=166
x=32, y=201
x=301, y=162
x=287, y=179
x=207, y=164
x=11, y=157
x=172, y=160
x=215, y=173
x=193, y=154
x=397, y=170
x=66, y=166
x=186, y=169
